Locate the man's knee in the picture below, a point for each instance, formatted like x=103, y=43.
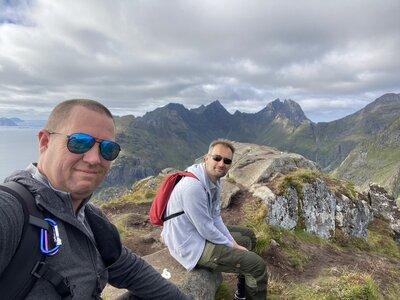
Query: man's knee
x=244, y=235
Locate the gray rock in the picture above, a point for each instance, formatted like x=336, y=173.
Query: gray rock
x=199, y=283
x=353, y=217
x=229, y=190
x=385, y=206
x=283, y=210
x=319, y=209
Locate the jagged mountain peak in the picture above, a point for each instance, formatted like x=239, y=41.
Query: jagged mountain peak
x=175, y=106
x=288, y=109
x=160, y=111
x=213, y=107
x=216, y=107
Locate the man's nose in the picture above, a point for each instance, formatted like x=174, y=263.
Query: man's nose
x=221, y=163
x=93, y=154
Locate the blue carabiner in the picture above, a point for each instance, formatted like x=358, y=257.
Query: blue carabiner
x=44, y=244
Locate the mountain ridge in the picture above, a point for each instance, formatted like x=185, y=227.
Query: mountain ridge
x=174, y=136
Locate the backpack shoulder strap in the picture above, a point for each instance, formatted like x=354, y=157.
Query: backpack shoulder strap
x=179, y=176
x=28, y=263
x=17, y=280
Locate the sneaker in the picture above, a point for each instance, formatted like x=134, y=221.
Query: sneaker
x=237, y=297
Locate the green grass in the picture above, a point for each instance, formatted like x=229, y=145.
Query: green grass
x=223, y=292
x=339, y=284
x=380, y=239
x=140, y=193
x=296, y=179
x=255, y=219
x=122, y=224
x=379, y=166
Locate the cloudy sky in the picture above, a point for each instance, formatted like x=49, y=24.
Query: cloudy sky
x=332, y=57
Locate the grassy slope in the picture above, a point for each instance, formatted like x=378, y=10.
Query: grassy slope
x=375, y=160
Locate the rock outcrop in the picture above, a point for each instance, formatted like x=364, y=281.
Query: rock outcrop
x=314, y=206
x=384, y=205
x=320, y=211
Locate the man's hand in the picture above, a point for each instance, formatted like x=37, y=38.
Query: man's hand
x=237, y=246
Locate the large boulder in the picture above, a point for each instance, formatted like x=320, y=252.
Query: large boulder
x=199, y=283
x=254, y=163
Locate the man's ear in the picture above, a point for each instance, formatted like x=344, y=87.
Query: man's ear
x=44, y=138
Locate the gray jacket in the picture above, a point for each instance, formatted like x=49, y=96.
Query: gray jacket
x=187, y=234
x=78, y=258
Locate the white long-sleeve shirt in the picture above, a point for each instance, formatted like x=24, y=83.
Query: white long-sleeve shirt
x=187, y=234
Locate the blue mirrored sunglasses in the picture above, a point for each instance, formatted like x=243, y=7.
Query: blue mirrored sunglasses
x=79, y=143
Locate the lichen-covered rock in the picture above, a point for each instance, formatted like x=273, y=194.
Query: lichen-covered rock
x=283, y=210
x=320, y=211
x=318, y=205
x=353, y=217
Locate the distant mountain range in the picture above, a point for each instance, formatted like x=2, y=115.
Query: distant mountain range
x=173, y=136
x=9, y=121
x=19, y=122
x=362, y=147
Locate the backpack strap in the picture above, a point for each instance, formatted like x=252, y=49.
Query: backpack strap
x=28, y=263
x=178, y=178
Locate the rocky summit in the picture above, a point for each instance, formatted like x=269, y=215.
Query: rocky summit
x=289, y=192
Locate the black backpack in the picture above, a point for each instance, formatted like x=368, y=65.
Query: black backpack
x=26, y=265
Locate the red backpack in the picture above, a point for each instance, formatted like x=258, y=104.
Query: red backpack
x=160, y=201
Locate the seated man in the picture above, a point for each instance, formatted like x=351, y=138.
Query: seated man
x=200, y=238
x=75, y=153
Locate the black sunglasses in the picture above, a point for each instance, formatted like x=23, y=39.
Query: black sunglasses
x=79, y=143
x=218, y=157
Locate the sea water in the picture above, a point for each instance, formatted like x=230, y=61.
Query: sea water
x=18, y=148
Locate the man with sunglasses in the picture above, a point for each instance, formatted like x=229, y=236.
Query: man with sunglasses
x=199, y=238
x=75, y=152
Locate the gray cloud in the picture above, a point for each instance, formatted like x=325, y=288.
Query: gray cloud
x=331, y=57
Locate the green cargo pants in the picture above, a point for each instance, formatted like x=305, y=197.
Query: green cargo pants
x=244, y=263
